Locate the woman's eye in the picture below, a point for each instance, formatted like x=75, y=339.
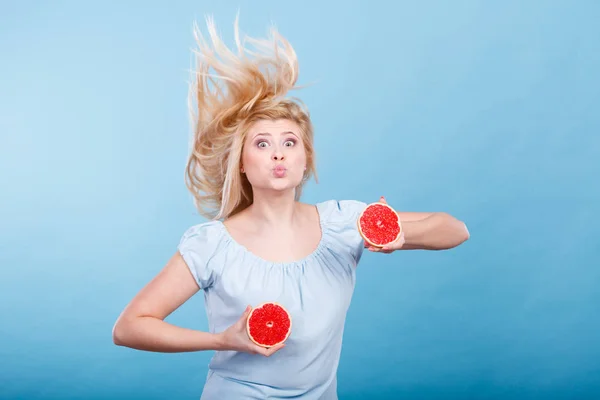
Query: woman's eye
x=262, y=144
x=289, y=143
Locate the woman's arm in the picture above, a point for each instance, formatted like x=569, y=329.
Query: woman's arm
x=436, y=231
x=426, y=231
x=141, y=325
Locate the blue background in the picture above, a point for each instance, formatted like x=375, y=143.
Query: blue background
x=485, y=110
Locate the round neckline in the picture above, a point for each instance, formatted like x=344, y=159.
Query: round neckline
x=282, y=263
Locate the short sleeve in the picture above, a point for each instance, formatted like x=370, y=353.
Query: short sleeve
x=341, y=217
x=198, y=247
x=351, y=209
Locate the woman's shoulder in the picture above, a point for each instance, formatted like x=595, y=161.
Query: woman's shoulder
x=199, y=245
x=339, y=221
x=202, y=230
x=206, y=237
x=340, y=211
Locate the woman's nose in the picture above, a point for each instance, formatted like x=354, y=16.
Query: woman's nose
x=277, y=156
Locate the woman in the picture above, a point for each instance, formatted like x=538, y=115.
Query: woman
x=252, y=153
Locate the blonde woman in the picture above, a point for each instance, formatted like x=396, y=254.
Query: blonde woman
x=252, y=153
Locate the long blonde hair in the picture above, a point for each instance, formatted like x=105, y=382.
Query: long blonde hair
x=239, y=92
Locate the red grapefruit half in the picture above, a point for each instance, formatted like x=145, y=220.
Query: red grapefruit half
x=269, y=324
x=379, y=224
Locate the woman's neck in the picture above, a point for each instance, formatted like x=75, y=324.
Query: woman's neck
x=273, y=211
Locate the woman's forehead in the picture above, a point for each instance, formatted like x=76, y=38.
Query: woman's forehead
x=273, y=127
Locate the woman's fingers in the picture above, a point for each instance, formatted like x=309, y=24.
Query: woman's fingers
x=247, y=312
x=269, y=351
x=242, y=321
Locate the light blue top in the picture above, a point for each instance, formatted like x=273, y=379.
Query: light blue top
x=316, y=290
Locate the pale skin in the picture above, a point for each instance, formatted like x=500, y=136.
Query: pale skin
x=276, y=228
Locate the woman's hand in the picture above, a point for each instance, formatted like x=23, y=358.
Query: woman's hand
x=236, y=338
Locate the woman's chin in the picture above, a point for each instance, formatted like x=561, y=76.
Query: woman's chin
x=279, y=185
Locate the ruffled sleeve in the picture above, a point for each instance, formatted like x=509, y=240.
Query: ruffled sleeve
x=340, y=217
x=198, y=247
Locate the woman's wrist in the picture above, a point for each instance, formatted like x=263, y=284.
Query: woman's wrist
x=219, y=342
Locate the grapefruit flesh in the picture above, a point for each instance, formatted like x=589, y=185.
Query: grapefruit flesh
x=269, y=324
x=379, y=224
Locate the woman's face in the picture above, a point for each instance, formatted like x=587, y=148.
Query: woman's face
x=274, y=157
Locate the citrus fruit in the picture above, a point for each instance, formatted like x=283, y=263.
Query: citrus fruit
x=379, y=224
x=269, y=324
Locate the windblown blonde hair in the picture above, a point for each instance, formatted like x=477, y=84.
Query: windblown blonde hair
x=240, y=91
